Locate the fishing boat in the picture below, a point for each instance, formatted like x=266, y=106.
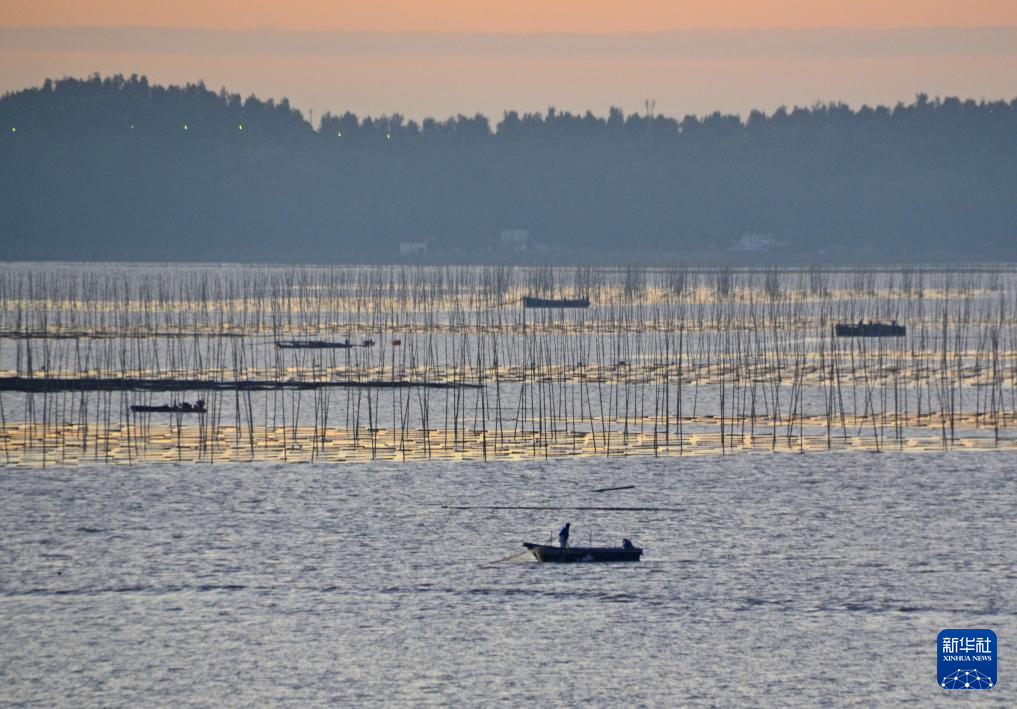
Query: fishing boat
x=870, y=329
x=572, y=555
x=320, y=344
x=182, y=408
x=531, y=302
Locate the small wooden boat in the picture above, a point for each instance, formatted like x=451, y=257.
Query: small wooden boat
x=199, y=408
x=870, y=329
x=531, y=302
x=573, y=555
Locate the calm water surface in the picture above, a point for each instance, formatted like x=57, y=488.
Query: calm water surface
x=776, y=580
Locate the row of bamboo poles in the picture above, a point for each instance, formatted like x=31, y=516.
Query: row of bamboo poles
x=665, y=362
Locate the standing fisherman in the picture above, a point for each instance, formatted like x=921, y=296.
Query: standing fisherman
x=563, y=535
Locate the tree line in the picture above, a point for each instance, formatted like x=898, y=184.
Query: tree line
x=134, y=165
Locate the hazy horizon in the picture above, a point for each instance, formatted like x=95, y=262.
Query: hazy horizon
x=427, y=72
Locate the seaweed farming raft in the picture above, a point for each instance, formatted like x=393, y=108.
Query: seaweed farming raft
x=71, y=384
x=870, y=329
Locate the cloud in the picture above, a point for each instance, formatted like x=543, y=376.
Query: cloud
x=693, y=44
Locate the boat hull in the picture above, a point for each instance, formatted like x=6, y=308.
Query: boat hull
x=576, y=555
x=313, y=345
x=531, y=302
x=870, y=330
x=139, y=409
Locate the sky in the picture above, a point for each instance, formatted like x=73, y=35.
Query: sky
x=439, y=58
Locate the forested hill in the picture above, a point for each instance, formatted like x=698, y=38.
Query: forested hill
x=121, y=169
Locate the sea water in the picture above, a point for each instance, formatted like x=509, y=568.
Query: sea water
x=768, y=580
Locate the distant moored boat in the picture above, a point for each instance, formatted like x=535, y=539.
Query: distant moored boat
x=320, y=344
x=183, y=408
x=870, y=329
x=531, y=302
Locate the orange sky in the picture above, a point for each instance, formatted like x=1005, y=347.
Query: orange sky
x=585, y=16
x=869, y=56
